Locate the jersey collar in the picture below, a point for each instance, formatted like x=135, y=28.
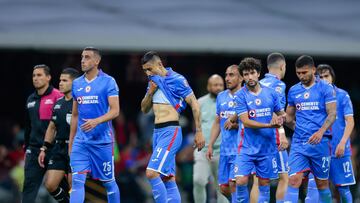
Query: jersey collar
x=271, y=75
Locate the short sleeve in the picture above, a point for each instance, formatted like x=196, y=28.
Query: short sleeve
x=217, y=106
x=277, y=104
x=347, y=105
x=329, y=93
x=183, y=88
x=290, y=98
x=112, y=88
x=240, y=107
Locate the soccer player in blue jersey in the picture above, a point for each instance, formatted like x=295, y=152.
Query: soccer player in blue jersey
x=341, y=170
x=167, y=94
x=310, y=112
x=225, y=107
x=255, y=105
x=96, y=103
x=277, y=67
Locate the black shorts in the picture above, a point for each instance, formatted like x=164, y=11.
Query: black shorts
x=59, y=159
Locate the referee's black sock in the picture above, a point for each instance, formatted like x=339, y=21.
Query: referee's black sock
x=60, y=195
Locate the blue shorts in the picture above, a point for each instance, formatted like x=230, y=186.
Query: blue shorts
x=282, y=161
x=265, y=166
x=226, y=169
x=166, y=142
x=95, y=159
x=341, y=171
x=307, y=157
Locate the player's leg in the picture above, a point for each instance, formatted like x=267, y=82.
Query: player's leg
x=102, y=168
x=254, y=193
x=173, y=194
x=312, y=194
x=221, y=168
x=242, y=169
x=162, y=162
x=80, y=166
x=298, y=164
x=201, y=176
x=282, y=164
x=33, y=176
x=52, y=182
x=266, y=169
x=320, y=166
x=342, y=175
x=232, y=180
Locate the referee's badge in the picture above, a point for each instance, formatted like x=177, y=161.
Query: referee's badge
x=68, y=118
x=87, y=89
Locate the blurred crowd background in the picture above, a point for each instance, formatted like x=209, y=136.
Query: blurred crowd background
x=196, y=39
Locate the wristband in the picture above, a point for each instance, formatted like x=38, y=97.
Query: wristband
x=43, y=149
x=281, y=130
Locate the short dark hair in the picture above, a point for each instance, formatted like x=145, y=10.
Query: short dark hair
x=93, y=49
x=249, y=63
x=274, y=58
x=148, y=56
x=72, y=72
x=44, y=67
x=323, y=67
x=304, y=60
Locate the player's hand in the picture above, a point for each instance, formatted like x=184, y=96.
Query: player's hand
x=276, y=121
x=284, y=144
x=209, y=153
x=199, y=140
x=89, y=124
x=316, y=137
x=340, y=149
x=41, y=159
x=152, y=87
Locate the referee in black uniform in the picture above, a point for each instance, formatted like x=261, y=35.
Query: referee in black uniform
x=57, y=135
x=39, y=107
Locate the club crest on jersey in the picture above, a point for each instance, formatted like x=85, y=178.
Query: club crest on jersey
x=298, y=106
x=87, y=89
x=252, y=113
x=306, y=95
x=257, y=102
x=231, y=104
x=278, y=89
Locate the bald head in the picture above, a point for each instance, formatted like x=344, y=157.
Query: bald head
x=215, y=84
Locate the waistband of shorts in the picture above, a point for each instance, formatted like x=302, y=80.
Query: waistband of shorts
x=166, y=124
x=62, y=141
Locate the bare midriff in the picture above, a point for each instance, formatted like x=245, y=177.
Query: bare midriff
x=164, y=113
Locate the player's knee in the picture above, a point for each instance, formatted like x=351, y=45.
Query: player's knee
x=295, y=181
x=322, y=184
x=242, y=180
x=284, y=178
x=50, y=185
x=151, y=174
x=199, y=180
x=78, y=180
x=225, y=190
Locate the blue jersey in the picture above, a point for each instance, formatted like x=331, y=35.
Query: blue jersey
x=343, y=108
x=92, y=98
x=225, y=107
x=259, y=107
x=275, y=83
x=310, y=104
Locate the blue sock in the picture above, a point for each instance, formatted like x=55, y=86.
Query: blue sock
x=173, y=195
x=292, y=195
x=113, y=193
x=325, y=195
x=242, y=193
x=158, y=190
x=264, y=193
x=233, y=197
x=312, y=191
x=77, y=194
x=345, y=194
